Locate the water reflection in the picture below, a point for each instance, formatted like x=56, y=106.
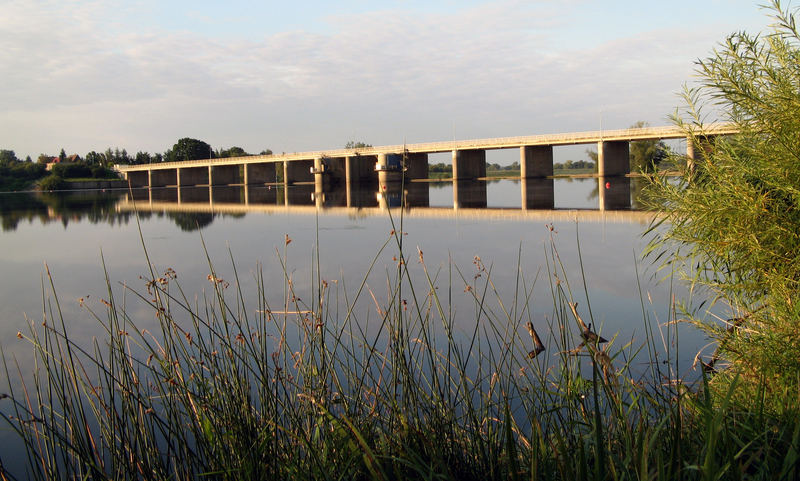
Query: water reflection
x=538, y=193
x=525, y=195
x=469, y=194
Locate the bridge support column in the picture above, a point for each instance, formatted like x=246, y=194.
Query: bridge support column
x=535, y=161
x=416, y=166
x=613, y=158
x=259, y=173
x=694, y=145
x=224, y=174
x=163, y=177
x=359, y=169
x=389, y=167
x=614, y=193
x=469, y=194
x=192, y=176
x=298, y=171
x=537, y=193
x=139, y=178
x=469, y=164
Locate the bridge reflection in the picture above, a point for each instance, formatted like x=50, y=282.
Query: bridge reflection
x=469, y=198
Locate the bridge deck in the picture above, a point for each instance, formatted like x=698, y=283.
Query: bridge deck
x=646, y=133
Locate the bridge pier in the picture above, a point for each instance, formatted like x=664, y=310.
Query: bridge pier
x=139, y=178
x=192, y=176
x=535, y=161
x=469, y=164
x=359, y=168
x=537, y=193
x=223, y=174
x=259, y=173
x=704, y=144
x=298, y=171
x=389, y=168
x=163, y=177
x=613, y=158
x=416, y=166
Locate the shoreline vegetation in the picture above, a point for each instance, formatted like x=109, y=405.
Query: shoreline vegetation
x=312, y=388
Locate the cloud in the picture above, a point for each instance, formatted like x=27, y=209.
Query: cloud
x=76, y=78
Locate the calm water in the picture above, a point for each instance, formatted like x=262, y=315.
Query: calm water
x=75, y=233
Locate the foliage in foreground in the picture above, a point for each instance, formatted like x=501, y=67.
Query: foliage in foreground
x=316, y=391
x=736, y=213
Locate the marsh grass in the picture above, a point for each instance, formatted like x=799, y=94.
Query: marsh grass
x=318, y=389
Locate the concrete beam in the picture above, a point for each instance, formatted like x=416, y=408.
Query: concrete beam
x=537, y=193
x=613, y=158
x=535, y=161
x=469, y=164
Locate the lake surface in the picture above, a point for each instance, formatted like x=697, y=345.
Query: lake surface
x=75, y=234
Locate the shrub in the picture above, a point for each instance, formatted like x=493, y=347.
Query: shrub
x=52, y=182
x=734, y=216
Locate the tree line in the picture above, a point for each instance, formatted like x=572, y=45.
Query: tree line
x=17, y=174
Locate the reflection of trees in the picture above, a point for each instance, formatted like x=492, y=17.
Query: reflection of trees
x=191, y=221
x=63, y=207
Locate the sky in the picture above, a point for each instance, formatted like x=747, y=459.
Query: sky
x=299, y=75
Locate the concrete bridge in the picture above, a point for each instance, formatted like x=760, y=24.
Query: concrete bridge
x=387, y=163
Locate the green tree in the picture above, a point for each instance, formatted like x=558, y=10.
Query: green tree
x=735, y=217
x=8, y=157
x=62, y=156
x=232, y=152
x=188, y=149
x=356, y=145
x=645, y=155
x=93, y=158
x=265, y=152
x=142, y=158
x=44, y=159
